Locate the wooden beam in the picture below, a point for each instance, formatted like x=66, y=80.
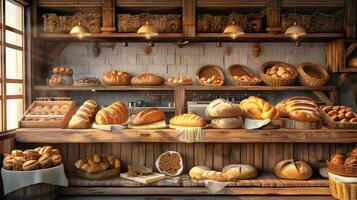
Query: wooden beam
x=273, y=16
x=323, y=97
x=335, y=56
x=189, y=18
x=351, y=18
x=180, y=100
x=108, y=16
x=350, y=48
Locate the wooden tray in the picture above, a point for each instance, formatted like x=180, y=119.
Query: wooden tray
x=49, y=124
x=293, y=124
x=336, y=125
x=106, y=174
x=342, y=170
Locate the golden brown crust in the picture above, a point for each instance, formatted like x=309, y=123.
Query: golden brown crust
x=222, y=108
x=188, y=119
x=289, y=169
x=351, y=161
x=116, y=113
x=115, y=77
x=148, y=116
x=30, y=165
x=45, y=161
x=147, y=80
x=84, y=115
x=257, y=108
x=299, y=108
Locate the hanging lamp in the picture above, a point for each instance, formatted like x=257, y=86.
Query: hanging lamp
x=80, y=31
x=147, y=30
x=295, y=31
x=233, y=30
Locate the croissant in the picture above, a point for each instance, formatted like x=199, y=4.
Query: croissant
x=115, y=77
x=116, y=113
x=257, y=108
x=188, y=119
x=84, y=115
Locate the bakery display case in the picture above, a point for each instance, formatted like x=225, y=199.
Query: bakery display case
x=144, y=98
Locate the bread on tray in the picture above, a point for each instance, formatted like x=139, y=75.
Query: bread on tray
x=299, y=108
x=84, y=115
x=188, y=120
x=148, y=116
x=116, y=113
x=147, y=80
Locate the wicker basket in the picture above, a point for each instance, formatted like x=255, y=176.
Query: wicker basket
x=341, y=190
x=240, y=70
x=342, y=170
x=208, y=71
x=312, y=75
x=273, y=81
x=336, y=125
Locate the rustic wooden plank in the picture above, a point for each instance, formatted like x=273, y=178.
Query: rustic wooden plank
x=125, y=155
x=72, y=156
x=235, y=155
x=266, y=157
x=258, y=156
x=190, y=159
x=200, y=154
x=227, y=151
x=149, y=155
x=218, y=157
x=209, y=148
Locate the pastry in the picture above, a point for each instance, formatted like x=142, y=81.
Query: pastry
x=212, y=80
x=18, y=161
x=148, y=116
x=227, y=123
x=97, y=164
x=30, y=165
x=246, y=78
x=236, y=172
x=46, y=150
x=115, y=77
x=87, y=82
x=299, y=108
x=170, y=163
x=280, y=71
x=337, y=159
x=31, y=154
x=257, y=108
x=188, y=120
x=179, y=80
x=341, y=114
x=84, y=115
x=116, y=113
x=134, y=171
x=45, y=161
x=56, y=159
x=351, y=161
x=222, y=108
x=290, y=169
x=8, y=163
x=147, y=80
x=63, y=70
x=56, y=80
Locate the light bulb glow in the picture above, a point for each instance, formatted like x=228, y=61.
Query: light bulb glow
x=234, y=35
x=295, y=36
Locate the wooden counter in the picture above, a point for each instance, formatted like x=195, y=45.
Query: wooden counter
x=56, y=135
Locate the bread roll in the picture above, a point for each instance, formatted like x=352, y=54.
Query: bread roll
x=222, y=108
x=116, y=113
x=84, y=115
x=56, y=160
x=257, y=108
x=148, y=116
x=31, y=154
x=18, y=161
x=45, y=161
x=188, y=120
x=227, y=123
x=46, y=150
x=30, y=165
x=8, y=163
x=351, y=161
x=337, y=159
x=236, y=172
x=147, y=80
x=289, y=169
x=115, y=77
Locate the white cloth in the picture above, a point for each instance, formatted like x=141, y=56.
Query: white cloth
x=343, y=179
x=14, y=180
x=254, y=123
x=190, y=134
x=215, y=186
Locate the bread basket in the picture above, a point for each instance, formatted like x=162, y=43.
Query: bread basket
x=240, y=70
x=311, y=74
x=343, y=188
x=208, y=71
x=274, y=81
x=335, y=125
x=342, y=170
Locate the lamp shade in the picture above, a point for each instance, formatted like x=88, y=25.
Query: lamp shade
x=147, y=30
x=295, y=31
x=233, y=30
x=80, y=31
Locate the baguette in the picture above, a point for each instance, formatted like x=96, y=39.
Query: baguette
x=148, y=116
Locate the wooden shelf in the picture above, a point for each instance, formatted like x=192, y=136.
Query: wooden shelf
x=190, y=88
x=56, y=135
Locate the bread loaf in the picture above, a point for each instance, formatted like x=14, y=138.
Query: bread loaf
x=236, y=172
x=188, y=120
x=205, y=173
x=116, y=113
x=222, y=108
x=299, y=108
x=115, y=77
x=84, y=115
x=147, y=80
x=257, y=108
x=97, y=163
x=290, y=169
x=148, y=116
x=227, y=123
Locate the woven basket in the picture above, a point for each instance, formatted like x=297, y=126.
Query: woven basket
x=336, y=125
x=342, y=170
x=273, y=81
x=341, y=190
x=312, y=75
x=208, y=71
x=240, y=70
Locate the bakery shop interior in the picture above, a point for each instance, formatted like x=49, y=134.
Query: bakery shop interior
x=178, y=99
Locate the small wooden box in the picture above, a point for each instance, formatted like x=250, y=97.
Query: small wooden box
x=62, y=121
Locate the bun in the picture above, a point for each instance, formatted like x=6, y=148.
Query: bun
x=115, y=77
x=337, y=159
x=289, y=169
x=236, y=172
x=84, y=115
x=18, y=161
x=257, y=108
x=63, y=70
x=351, y=161
x=299, y=108
x=56, y=160
x=46, y=150
x=8, y=163
x=147, y=80
x=227, y=123
x=188, y=119
x=116, y=113
x=30, y=165
x=97, y=164
x=222, y=108
x=31, y=154
x=148, y=116
x=45, y=162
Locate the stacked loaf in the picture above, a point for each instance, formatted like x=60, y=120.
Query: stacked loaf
x=299, y=108
x=231, y=172
x=225, y=114
x=188, y=120
x=97, y=163
x=257, y=108
x=32, y=159
x=148, y=116
x=147, y=80
x=290, y=169
x=116, y=113
x=115, y=77
x=84, y=115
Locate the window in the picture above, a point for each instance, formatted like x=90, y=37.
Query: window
x=12, y=64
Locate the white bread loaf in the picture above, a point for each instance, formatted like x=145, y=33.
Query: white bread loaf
x=227, y=123
x=290, y=169
x=222, y=108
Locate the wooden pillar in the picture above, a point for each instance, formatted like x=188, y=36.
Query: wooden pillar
x=273, y=16
x=108, y=16
x=351, y=18
x=189, y=18
x=335, y=56
x=179, y=100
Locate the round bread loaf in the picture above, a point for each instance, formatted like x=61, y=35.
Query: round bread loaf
x=222, y=108
x=236, y=172
x=290, y=169
x=148, y=116
x=227, y=123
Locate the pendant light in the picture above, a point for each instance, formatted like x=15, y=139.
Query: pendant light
x=148, y=31
x=295, y=31
x=79, y=30
x=233, y=30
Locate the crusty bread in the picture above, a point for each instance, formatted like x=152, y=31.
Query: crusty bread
x=147, y=80
x=257, y=108
x=115, y=77
x=236, y=172
x=84, y=115
x=188, y=119
x=228, y=123
x=222, y=108
x=116, y=113
x=290, y=169
x=299, y=108
x=205, y=173
x=148, y=116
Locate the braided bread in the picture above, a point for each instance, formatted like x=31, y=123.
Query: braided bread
x=84, y=115
x=116, y=113
x=257, y=108
x=299, y=108
x=115, y=77
x=188, y=119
